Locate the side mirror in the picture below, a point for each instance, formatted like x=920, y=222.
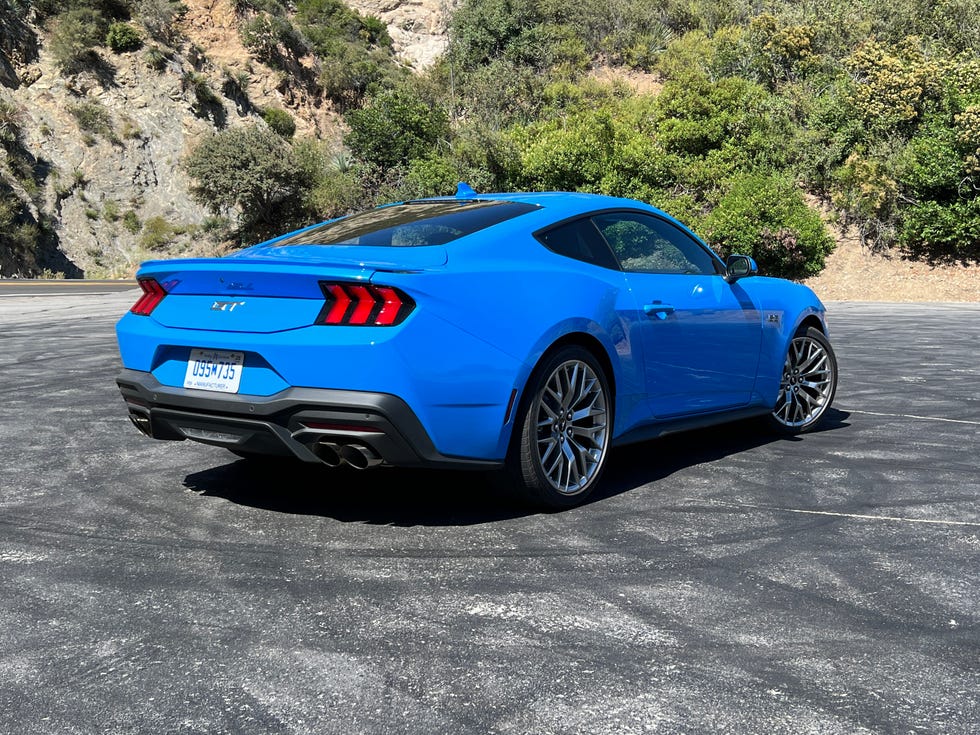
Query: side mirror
x=740, y=266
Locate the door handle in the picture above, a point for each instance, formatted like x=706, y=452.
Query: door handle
x=659, y=308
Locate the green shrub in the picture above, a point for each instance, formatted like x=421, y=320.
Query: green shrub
x=267, y=36
x=281, y=122
x=931, y=165
x=945, y=231
x=131, y=221
x=110, y=210
x=159, y=16
x=157, y=233
x=156, y=58
x=9, y=124
x=76, y=34
x=249, y=168
x=107, y=8
x=93, y=118
x=397, y=127
x=765, y=216
x=204, y=96
x=323, y=20
x=123, y=37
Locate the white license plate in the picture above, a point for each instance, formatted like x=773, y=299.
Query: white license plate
x=217, y=370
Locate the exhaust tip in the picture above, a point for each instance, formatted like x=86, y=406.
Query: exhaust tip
x=359, y=457
x=142, y=422
x=328, y=453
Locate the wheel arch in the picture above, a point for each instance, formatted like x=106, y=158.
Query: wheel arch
x=586, y=341
x=580, y=339
x=812, y=320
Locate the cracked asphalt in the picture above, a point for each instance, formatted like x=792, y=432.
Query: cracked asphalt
x=725, y=582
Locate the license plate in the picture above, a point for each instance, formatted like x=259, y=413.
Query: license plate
x=217, y=370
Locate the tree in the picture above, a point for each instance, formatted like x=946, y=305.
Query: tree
x=395, y=128
x=251, y=169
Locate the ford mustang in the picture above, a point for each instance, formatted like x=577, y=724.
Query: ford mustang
x=519, y=334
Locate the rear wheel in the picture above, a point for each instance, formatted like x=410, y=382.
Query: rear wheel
x=808, y=385
x=565, y=429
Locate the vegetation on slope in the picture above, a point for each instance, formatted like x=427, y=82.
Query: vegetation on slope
x=873, y=106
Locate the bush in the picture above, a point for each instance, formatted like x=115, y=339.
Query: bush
x=107, y=8
x=123, y=37
x=250, y=168
x=9, y=125
x=131, y=221
x=93, y=118
x=397, y=127
x=74, y=38
x=157, y=233
x=931, y=165
x=942, y=231
x=765, y=216
x=281, y=122
x=267, y=36
x=204, y=96
x=158, y=17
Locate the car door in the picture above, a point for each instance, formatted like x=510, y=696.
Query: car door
x=701, y=335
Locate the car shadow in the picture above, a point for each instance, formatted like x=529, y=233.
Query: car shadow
x=422, y=497
x=382, y=496
x=635, y=465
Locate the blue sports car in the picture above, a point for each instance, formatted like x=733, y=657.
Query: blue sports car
x=520, y=333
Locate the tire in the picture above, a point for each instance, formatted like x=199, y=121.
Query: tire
x=808, y=384
x=563, y=430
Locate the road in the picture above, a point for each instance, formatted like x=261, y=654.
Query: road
x=62, y=287
x=724, y=582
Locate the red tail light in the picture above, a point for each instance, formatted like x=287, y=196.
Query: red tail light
x=363, y=305
x=153, y=294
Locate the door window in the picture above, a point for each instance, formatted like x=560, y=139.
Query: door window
x=647, y=244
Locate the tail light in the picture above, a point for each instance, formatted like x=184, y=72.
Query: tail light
x=363, y=305
x=153, y=294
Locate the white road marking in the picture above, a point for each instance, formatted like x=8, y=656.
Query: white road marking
x=860, y=516
x=911, y=416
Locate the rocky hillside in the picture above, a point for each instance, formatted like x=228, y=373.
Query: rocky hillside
x=91, y=161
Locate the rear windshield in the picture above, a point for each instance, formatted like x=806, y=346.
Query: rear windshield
x=410, y=223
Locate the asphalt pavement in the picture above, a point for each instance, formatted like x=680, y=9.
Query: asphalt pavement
x=725, y=581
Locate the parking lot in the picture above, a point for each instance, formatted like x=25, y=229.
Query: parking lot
x=725, y=581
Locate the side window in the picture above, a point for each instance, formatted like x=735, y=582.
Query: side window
x=649, y=244
x=579, y=240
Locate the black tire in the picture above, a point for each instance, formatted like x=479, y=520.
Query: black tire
x=808, y=384
x=563, y=430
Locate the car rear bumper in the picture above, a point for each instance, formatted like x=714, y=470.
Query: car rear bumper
x=315, y=425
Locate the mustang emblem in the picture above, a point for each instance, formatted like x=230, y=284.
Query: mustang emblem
x=226, y=305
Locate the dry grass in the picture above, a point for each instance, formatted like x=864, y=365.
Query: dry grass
x=854, y=273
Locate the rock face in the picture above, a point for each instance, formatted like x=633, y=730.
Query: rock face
x=108, y=145
x=418, y=27
x=109, y=177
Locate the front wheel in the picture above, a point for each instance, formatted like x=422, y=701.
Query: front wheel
x=808, y=385
x=565, y=428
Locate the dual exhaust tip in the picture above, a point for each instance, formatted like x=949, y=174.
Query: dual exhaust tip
x=358, y=456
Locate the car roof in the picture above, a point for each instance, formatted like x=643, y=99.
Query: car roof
x=560, y=204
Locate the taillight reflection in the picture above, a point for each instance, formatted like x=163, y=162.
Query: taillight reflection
x=153, y=294
x=363, y=305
